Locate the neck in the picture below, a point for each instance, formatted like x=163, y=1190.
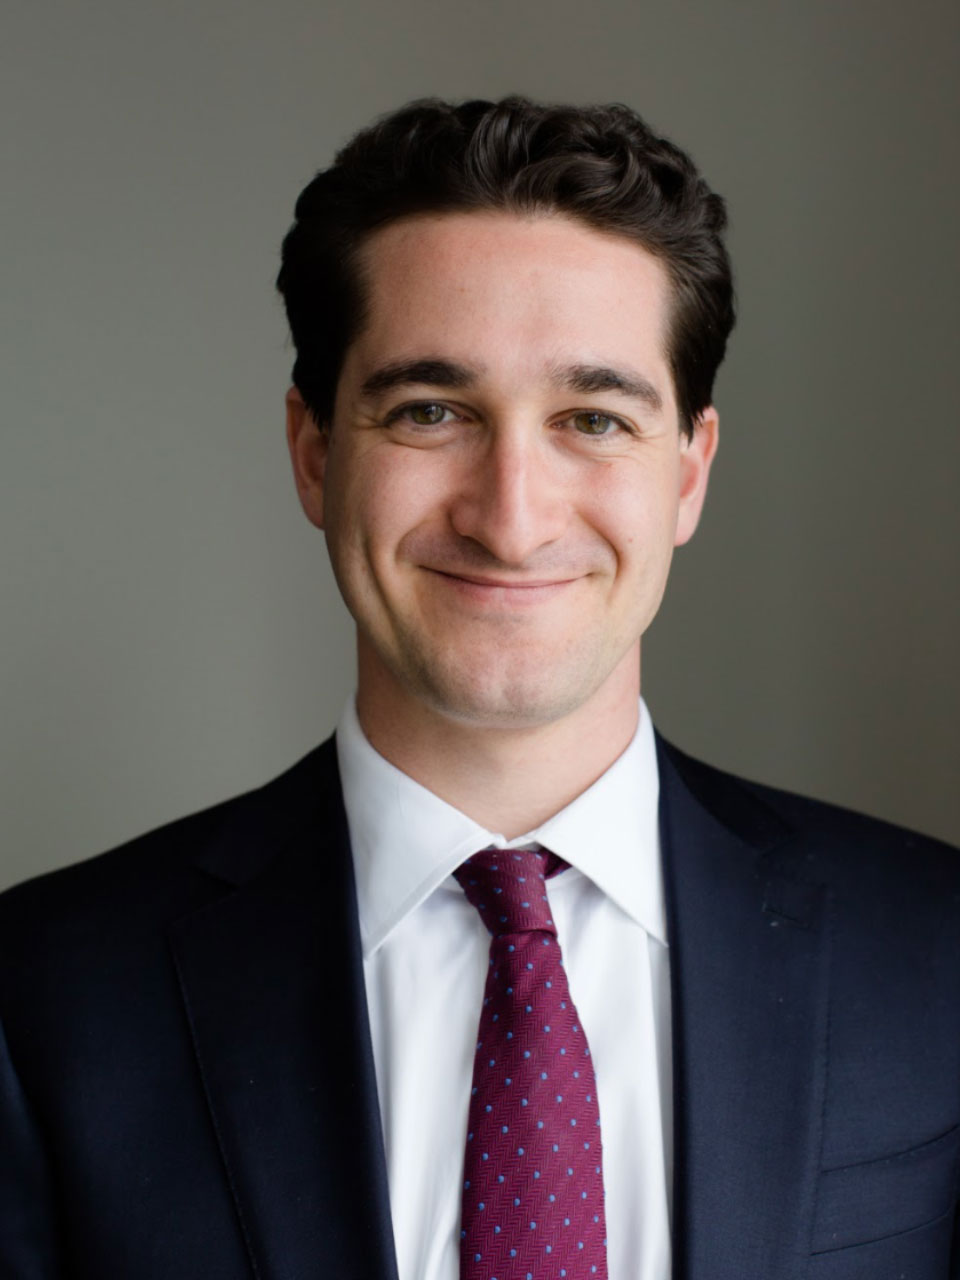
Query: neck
x=509, y=780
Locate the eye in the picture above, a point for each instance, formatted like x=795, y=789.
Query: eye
x=424, y=413
x=591, y=423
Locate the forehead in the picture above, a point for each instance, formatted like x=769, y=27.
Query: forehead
x=517, y=294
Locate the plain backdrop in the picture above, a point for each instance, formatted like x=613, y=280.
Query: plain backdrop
x=171, y=632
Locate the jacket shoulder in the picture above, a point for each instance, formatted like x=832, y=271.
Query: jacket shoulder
x=830, y=831
x=153, y=871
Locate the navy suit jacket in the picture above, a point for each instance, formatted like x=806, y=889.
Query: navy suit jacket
x=187, y=1087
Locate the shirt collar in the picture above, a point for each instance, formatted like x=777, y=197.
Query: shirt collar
x=407, y=841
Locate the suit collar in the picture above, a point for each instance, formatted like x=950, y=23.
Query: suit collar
x=257, y=827
x=749, y=967
x=273, y=990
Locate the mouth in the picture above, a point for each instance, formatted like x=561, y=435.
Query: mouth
x=515, y=591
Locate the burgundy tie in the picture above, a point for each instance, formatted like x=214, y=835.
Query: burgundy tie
x=533, y=1180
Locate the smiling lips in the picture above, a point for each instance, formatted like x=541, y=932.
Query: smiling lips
x=504, y=590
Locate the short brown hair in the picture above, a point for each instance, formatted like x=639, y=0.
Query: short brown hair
x=602, y=165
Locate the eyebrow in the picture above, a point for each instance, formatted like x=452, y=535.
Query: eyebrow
x=588, y=379
x=428, y=372
x=592, y=378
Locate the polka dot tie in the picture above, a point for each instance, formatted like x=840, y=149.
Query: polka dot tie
x=533, y=1180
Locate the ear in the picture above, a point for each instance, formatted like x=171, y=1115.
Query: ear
x=696, y=458
x=308, y=444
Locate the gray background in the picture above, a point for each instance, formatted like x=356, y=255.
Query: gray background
x=171, y=633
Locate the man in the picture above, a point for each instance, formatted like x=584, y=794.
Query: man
x=497, y=983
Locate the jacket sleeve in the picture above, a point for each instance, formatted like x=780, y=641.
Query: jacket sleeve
x=28, y=1220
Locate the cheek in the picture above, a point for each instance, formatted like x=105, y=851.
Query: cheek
x=635, y=510
x=378, y=498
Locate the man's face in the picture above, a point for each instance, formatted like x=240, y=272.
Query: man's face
x=504, y=479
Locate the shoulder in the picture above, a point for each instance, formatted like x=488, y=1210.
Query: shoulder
x=168, y=870
x=834, y=841
x=87, y=952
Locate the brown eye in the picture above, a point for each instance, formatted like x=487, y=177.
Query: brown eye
x=595, y=424
x=426, y=415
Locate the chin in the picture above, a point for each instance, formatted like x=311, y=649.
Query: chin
x=503, y=699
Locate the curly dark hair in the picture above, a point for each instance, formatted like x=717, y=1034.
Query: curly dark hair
x=601, y=164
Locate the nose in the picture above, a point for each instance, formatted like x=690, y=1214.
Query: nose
x=511, y=499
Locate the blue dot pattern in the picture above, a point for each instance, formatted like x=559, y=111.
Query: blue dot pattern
x=532, y=1199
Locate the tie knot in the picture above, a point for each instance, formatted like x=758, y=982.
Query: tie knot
x=508, y=887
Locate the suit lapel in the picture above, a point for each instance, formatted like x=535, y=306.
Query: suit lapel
x=272, y=982
x=749, y=967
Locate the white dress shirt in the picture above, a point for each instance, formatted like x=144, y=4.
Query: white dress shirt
x=426, y=950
